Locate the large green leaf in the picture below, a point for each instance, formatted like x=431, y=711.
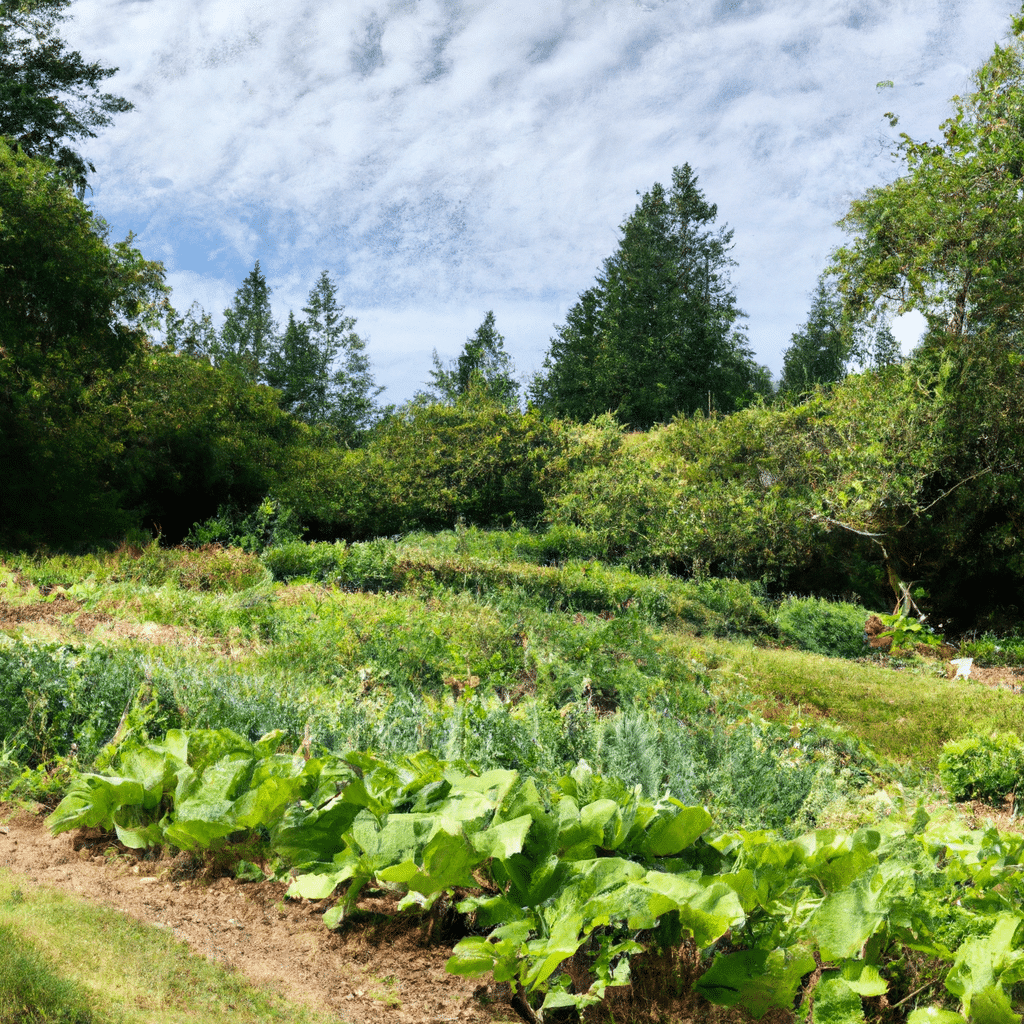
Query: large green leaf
x=670, y=833
x=502, y=841
x=845, y=921
x=706, y=911
x=92, y=800
x=757, y=979
x=448, y=860
x=198, y=833
x=934, y=1015
x=835, y=1002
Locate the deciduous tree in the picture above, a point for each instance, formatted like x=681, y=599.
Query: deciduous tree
x=49, y=95
x=74, y=313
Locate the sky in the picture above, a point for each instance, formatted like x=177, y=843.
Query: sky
x=443, y=158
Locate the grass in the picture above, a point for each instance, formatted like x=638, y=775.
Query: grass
x=904, y=715
x=74, y=963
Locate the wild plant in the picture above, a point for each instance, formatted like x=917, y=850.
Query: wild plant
x=832, y=628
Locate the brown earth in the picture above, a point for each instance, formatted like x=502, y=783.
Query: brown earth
x=380, y=968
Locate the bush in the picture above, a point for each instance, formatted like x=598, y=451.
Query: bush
x=268, y=525
x=53, y=696
x=321, y=562
x=832, y=628
x=207, y=568
x=982, y=767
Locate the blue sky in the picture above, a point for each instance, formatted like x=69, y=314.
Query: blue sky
x=441, y=158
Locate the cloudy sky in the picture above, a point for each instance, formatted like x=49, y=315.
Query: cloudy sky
x=441, y=158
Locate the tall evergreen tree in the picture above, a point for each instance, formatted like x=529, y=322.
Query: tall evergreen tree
x=350, y=398
x=298, y=369
x=483, y=365
x=249, y=331
x=819, y=350
x=657, y=335
x=48, y=94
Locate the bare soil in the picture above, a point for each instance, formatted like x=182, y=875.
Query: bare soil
x=379, y=968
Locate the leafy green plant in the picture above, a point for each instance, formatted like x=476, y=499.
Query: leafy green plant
x=269, y=524
x=832, y=628
x=320, y=562
x=982, y=767
x=585, y=867
x=907, y=632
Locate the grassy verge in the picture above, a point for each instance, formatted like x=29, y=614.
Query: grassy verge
x=904, y=715
x=62, y=960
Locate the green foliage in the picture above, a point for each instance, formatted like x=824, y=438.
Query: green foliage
x=657, y=334
x=906, y=632
x=270, y=524
x=982, y=767
x=941, y=238
x=295, y=559
x=39, y=78
x=483, y=366
x=73, y=317
x=429, y=464
x=832, y=628
x=62, y=702
x=989, y=649
x=818, y=352
x=191, y=439
x=585, y=867
x=249, y=330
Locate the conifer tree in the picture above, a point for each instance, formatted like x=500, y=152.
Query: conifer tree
x=657, y=335
x=483, y=365
x=819, y=350
x=350, y=397
x=249, y=331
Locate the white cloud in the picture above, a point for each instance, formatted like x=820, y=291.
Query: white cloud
x=443, y=157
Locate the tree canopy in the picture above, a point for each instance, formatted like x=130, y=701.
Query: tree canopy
x=483, y=365
x=658, y=333
x=947, y=236
x=50, y=96
x=74, y=315
x=318, y=363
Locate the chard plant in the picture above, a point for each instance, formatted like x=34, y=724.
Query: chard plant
x=587, y=868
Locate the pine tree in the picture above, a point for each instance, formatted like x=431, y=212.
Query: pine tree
x=657, y=335
x=249, y=332
x=483, y=366
x=350, y=397
x=296, y=367
x=819, y=351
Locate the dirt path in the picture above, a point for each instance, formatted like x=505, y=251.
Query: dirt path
x=378, y=969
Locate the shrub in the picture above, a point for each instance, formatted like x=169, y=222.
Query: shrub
x=833, y=628
x=53, y=696
x=268, y=525
x=207, y=568
x=982, y=767
x=320, y=562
